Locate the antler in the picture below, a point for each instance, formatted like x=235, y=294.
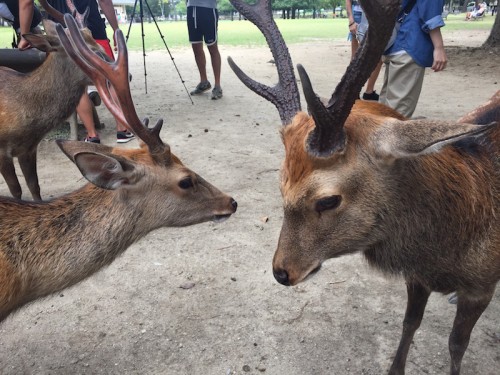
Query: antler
x=328, y=135
x=285, y=94
x=59, y=17
x=117, y=98
x=81, y=19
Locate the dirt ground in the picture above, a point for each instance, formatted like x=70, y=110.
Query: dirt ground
x=135, y=317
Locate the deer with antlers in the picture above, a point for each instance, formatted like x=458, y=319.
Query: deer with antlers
x=34, y=103
x=47, y=247
x=419, y=198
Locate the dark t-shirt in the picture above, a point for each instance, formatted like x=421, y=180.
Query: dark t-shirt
x=95, y=22
x=13, y=6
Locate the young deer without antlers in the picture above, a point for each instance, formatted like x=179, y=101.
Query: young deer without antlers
x=32, y=104
x=418, y=198
x=47, y=247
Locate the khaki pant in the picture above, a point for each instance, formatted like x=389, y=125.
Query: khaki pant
x=403, y=79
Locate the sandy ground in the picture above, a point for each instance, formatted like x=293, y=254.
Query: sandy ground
x=134, y=317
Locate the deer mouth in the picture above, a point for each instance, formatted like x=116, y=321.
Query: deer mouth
x=220, y=218
x=312, y=272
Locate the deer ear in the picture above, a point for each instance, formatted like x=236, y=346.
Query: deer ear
x=71, y=148
x=399, y=139
x=45, y=43
x=106, y=171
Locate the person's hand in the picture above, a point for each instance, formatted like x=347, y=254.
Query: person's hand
x=440, y=59
x=353, y=28
x=23, y=44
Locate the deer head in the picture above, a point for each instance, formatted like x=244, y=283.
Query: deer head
x=344, y=161
x=187, y=197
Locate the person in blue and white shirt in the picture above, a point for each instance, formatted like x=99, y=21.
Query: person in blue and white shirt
x=418, y=45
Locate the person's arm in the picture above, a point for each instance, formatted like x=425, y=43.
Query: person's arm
x=109, y=11
x=25, y=18
x=439, y=53
x=352, y=25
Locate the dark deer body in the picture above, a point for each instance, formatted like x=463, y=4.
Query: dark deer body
x=32, y=104
x=419, y=198
x=46, y=247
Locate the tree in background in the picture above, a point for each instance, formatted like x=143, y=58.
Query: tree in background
x=493, y=40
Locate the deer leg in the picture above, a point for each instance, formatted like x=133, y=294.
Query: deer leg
x=9, y=174
x=468, y=312
x=417, y=300
x=28, y=166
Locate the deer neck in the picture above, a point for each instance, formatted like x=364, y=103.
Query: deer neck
x=81, y=233
x=56, y=86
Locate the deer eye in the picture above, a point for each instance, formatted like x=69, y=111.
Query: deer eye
x=328, y=203
x=186, y=183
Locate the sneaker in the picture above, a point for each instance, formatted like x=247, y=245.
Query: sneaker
x=124, y=136
x=216, y=93
x=201, y=88
x=373, y=96
x=92, y=140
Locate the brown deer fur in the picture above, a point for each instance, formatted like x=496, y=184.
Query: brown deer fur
x=32, y=104
x=419, y=198
x=46, y=247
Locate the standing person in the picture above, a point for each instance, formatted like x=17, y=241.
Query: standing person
x=26, y=10
x=23, y=16
x=202, y=22
x=354, y=14
x=418, y=44
x=97, y=27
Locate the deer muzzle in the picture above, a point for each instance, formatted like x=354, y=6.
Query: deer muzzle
x=233, y=206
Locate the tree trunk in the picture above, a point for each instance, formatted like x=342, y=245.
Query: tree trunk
x=493, y=40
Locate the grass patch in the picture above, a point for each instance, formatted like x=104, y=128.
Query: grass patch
x=243, y=33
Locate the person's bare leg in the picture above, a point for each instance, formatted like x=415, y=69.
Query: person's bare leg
x=84, y=111
x=216, y=62
x=120, y=127
x=201, y=62
x=354, y=46
x=370, y=84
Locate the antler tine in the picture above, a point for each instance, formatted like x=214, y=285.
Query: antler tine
x=327, y=136
x=96, y=75
x=55, y=14
x=118, y=98
x=80, y=18
x=285, y=94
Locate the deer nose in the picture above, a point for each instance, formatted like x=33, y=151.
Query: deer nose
x=234, y=204
x=281, y=276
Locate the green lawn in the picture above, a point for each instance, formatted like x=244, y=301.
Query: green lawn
x=243, y=33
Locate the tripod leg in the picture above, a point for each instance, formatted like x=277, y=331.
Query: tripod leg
x=141, y=11
x=132, y=16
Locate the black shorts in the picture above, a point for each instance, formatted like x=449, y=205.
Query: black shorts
x=202, y=24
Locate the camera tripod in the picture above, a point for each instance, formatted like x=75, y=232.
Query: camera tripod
x=141, y=16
